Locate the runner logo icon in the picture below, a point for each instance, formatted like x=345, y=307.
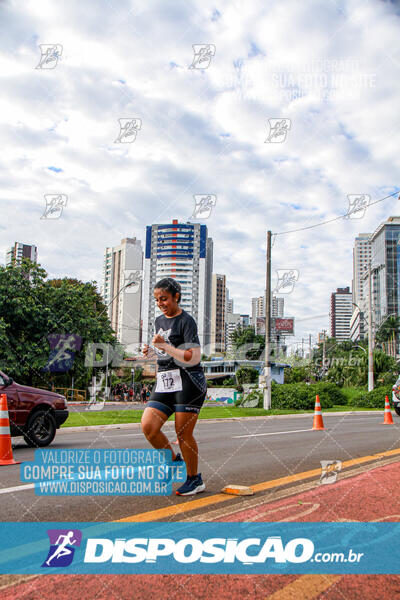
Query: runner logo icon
x=61, y=552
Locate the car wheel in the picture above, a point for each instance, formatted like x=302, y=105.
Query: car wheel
x=41, y=429
x=397, y=408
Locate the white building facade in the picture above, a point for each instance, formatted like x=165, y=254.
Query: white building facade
x=19, y=251
x=218, y=312
x=341, y=313
x=122, y=289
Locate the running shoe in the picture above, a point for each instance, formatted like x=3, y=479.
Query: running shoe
x=193, y=485
x=178, y=458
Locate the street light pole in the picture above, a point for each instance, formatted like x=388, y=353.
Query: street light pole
x=370, y=341
x=102, y=312
x=116, y=295
x=267, y=369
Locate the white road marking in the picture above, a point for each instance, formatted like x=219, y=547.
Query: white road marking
x=124, y=435
x=17, y=488
x=271, y=433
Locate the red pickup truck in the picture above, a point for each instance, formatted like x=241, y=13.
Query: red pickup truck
x=34, y=413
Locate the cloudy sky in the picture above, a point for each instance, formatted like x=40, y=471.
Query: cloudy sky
x=325, y=72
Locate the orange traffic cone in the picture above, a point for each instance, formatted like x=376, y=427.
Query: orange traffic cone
x=6, y=455
x=388, y=420
x=318, y=422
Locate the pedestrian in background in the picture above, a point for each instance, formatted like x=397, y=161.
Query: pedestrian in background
x=143, y=393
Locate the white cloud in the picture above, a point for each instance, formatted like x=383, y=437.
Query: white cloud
x=331, y=68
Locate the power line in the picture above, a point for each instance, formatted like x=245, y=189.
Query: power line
x=335, y=219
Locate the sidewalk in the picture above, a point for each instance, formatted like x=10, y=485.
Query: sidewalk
x=370, y=496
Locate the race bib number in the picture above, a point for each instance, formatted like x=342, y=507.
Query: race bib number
x=169, y=381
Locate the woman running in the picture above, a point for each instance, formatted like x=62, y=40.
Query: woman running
x=181, y=384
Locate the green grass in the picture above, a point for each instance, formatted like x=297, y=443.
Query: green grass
x=221, y=412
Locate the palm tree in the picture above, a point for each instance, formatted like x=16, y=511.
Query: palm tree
x=389, y=330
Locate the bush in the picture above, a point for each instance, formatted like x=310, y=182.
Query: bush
x=326, y=389
x=385, y=379
x=373, y=399
x=300, y=396
x=296, y=374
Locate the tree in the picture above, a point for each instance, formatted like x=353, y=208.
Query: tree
x=32, y=308
x=247, y=344
x=247, y=375
x=388, y=330
x=346, y=363
x=297, y=375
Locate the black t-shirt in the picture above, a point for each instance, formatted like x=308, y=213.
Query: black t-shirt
x=176, y=331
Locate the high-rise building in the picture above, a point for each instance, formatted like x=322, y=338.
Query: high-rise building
x=258, y=310
x=385, y=242
x=244, y=320
x=229, y=304
x=361, y=258
x=232, y=323
x=258, y=314
x=182, y=251
x=341, y=312
x=277, y=308
x=122, y=289
x=218, y=306
x=19, y=251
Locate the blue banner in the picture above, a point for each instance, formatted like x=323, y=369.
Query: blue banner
x=165, y=547
x=102, y=472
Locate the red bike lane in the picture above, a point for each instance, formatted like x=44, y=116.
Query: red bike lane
x=370, y=496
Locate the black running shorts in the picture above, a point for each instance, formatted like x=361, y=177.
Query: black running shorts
x=189, y=399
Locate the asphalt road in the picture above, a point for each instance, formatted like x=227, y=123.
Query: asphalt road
x=245, y=452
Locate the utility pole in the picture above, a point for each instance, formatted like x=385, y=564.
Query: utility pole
x=267, y=369
x=370, y=341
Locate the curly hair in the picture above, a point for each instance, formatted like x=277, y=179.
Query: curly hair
x=170, y=285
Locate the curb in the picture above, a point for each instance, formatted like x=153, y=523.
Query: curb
x=137, y=425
